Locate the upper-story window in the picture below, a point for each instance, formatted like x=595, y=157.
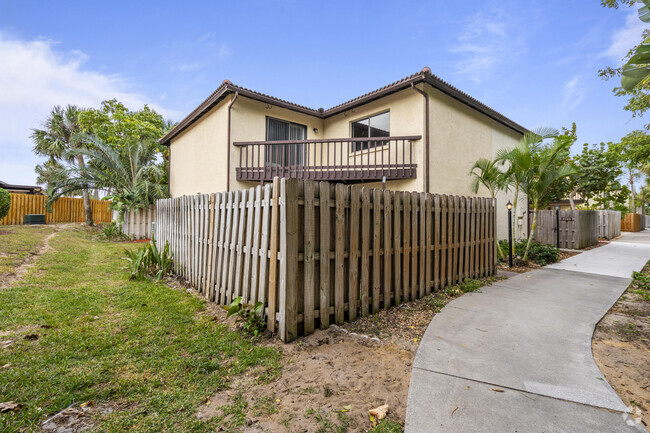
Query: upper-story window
x=373, y=126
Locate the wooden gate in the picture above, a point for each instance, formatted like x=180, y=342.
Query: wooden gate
x=578, y=228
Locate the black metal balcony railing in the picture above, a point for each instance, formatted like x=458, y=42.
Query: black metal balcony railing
x=340, y=159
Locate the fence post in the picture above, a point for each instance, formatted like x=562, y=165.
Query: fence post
x=288, y=260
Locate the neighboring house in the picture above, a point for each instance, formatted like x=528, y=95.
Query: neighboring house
x=22, y=189
x=420, y=133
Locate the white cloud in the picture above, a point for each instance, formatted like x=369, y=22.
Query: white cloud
x=34, y=77
x=627, y=37
x=573, y=93
x=485, y=40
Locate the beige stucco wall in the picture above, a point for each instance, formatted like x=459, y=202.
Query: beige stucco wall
x=198, y=155
x=461, y=135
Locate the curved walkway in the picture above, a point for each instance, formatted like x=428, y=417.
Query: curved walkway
x=517, y=357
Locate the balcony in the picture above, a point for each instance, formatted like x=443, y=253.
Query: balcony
x=347, y=160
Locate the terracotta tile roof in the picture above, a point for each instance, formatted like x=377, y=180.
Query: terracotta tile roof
x=425, y=75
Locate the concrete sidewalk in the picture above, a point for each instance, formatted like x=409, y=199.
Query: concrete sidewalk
x=517, y=357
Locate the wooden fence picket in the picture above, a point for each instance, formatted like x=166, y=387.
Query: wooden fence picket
x=314, y=253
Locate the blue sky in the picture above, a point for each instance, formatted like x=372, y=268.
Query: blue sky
x=535, y=62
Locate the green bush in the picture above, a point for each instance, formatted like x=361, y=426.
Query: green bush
x=538, y=253
x=148, y=261
x=5, y=203
x=249, y=315
x=112, y=232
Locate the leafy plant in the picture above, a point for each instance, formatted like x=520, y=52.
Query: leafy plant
x=538, y=253
x=250, y=316
x=148, y=261
x=387, y=426
x=5, y=203
x=112, y=232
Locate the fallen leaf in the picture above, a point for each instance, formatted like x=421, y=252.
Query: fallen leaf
x=6, y=366
x=372, y=420
x=346, y=408
x=380, y=412
x=467, y=387
x=6, y=343
x=452, y=412
x=89, y=403
x=496, y=390
x=8, y=406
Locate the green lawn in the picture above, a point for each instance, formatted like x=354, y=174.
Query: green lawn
x=148, y=351
x=18, y=242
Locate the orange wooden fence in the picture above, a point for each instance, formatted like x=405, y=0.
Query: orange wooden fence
x=631, y=223
x=64, y=210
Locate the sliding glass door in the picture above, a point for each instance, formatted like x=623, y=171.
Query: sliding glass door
x=284, y=155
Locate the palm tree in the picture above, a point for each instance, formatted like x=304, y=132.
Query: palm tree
x=546, y=168
x=131, y=174
x=519, y=161
x=58, y=138
x=485, y=172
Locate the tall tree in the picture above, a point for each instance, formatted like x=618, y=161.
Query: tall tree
x=58, y=139
x=546, y=168
x=130, y=173
x=486, y=172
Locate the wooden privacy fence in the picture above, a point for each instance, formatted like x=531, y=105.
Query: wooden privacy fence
x=578, y=228
x=609, y=224
x=64, y=210
x=138, y=223
x=631, y=223
x=316, y=253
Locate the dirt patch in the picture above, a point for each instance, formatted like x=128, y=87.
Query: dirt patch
x=22, y=269
x=330, y=378
x=334, y=377
x=5, y=232
x=78, y=417
x=621, y=345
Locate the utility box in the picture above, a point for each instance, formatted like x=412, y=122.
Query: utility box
x=35, y=219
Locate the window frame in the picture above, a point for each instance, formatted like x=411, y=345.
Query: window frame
x=354, y=146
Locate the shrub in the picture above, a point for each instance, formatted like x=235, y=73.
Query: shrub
x=250, y=316
x=5, y=203
x=148, y=261
x=112, y=232
x=538, y=253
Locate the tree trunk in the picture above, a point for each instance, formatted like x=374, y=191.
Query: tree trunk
x=571, y=195
x=87, y=208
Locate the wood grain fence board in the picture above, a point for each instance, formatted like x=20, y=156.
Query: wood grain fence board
x=422, y=249
x=365, y=251
x=273, y=256
x=226, y=249
x=353, y=282
x=255, y=253
x=247, y=296
x=436, y=242
x=415, y=208
x=428, y=242
x=397, y=245
x=376, y=247
x=309, y=262
x=387, y=238
x=241, y=233
x=406, y=250
x=264, y=245
x=339, y=256
x=324, y=255
x=64, y=210
x=444, y=244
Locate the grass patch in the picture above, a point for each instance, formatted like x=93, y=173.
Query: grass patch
x=387, y=426
x=19, y=242
x=139, y=346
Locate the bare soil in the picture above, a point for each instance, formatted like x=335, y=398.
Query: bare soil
x=334, y=377
x=621, y=348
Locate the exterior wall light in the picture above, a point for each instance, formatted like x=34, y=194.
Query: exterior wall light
x=315, y=130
